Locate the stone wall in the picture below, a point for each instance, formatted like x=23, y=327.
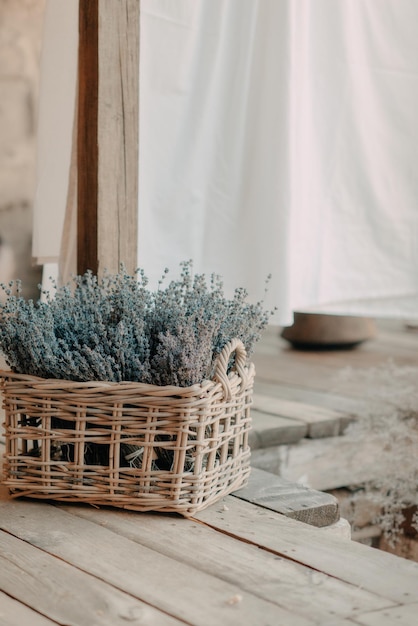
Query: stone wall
x=20, y=43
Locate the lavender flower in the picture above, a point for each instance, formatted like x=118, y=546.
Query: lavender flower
x=115, y=328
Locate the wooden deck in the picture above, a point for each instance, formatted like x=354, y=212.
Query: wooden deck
x=234, y=563
x=237, y=562
x=304, y=401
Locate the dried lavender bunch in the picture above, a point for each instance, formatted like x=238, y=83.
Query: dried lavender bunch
x=194, y=321
x=116, y=329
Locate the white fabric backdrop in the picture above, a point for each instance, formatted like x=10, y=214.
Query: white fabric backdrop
x=282, y=137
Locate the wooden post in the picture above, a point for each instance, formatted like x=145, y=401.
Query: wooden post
x=107, y=141
x=87, y=144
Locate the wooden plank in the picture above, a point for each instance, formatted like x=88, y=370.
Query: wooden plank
x=391, y=577
x=269, y=430
x=298, y=393
x=63, y=593
x=174, y=587
x=118, y=119
x=406, y=615
x=291, y=499
x=108, y=135
x=320, y=421
x=13, y=613
x=87, y=146
x=280, y=581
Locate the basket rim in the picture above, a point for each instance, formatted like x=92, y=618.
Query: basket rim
x=61, y=384
x=55, y=383
x=244, y=372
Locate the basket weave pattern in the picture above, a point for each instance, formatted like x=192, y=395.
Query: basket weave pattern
x=130, y=445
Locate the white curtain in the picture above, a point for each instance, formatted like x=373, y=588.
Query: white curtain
x=280, y=136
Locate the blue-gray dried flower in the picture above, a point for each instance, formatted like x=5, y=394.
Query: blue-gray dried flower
x=115, y=328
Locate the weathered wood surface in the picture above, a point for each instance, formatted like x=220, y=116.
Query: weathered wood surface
x=317, y=397
x=147, y=574
x=118, y=132
x=108, y=135
x=87, y=152
x=69, y=563
x=319, y=421
x=197, y=573
x=291, y=499
x=63, y=593
x=376, y=571
x=269, y=430
x=406, y=615
x=274, y=579
x=13, y=613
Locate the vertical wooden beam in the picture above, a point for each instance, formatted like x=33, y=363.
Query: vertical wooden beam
x=108, y=136
x=87, y=146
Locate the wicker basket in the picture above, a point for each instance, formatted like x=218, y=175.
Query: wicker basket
x=130, y=445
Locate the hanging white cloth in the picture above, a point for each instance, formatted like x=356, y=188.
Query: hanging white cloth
x=281, y=137
x=354, y=245
x=214, y=171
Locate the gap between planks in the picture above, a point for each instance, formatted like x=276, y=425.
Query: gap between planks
x=150, y=576
x=324, y=599
x=346, y=560
x=63, y=593
x=14, y=613
x=405, y=615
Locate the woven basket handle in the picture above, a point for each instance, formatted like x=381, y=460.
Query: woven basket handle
x=221, y=367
